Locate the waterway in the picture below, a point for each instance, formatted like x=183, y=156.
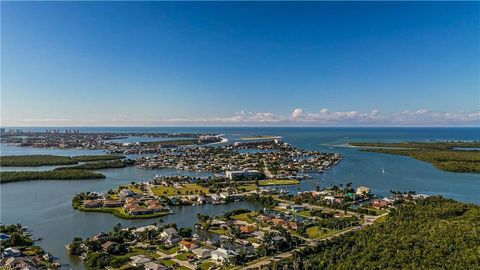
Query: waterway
x=45, y=206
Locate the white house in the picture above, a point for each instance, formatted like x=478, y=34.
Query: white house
x=222, y=255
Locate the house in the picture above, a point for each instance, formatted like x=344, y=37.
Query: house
x=4, y=237
x=222, y=255
x=170, y=236
x=112, y=203
x=155, y=207
x=187, y=245
x=92, y=203
x=380, y=204
x=17, y=263
x=247, y=229
x=106, y=246
x=146, y=228
x=154, y=266
x=139, y=260
x=11, y=252
x=168, y=232
x=297, y=207
x=278, y=221
x=362, y=190
x=202, y=253
x=224, y=195
x=232, y=175
x=139, y=210
x=124, y=193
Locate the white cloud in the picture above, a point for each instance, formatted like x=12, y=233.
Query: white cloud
x=297, y=113
x=420, y=117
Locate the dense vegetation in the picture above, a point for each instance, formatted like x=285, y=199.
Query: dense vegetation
x=442, y=155
x=100, y=165
x=42, y=160
x=434, y=233
x=172, y=142
x=70, y=174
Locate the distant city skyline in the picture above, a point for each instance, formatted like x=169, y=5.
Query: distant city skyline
x=240, y=64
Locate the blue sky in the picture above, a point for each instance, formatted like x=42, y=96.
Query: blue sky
x=251, y=63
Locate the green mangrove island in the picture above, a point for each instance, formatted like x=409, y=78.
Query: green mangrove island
x=70, y=174
x=45, y=160
x=447, y=156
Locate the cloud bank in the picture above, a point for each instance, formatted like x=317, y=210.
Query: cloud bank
x=297, y=117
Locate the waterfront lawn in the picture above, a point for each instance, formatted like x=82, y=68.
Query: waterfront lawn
x=247, y=217
x=187, y=189
x=120, y=212
x=183, y=256
x=278, y=182
x=206, y=265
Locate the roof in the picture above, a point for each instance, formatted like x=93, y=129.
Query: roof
x=170, y=231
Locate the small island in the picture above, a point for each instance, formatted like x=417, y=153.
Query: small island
x=80, y=171
x=446, y=156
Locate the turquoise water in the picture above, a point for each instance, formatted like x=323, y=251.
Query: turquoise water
x=44, y=206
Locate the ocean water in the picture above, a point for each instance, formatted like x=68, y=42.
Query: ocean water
x=45, y=206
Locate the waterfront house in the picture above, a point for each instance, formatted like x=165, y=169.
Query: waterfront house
x=107, y=245
x=170, y=236
x=112, y=203
x=11, y=252
x=362, y=190
x=202, y=253
x=139, y=210
x=4, y=237
x=92, y=203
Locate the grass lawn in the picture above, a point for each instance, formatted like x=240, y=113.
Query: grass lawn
x=183, y=256
x=247, y=217
x=147, y=253
x=304, y=213
x=315, y=232
x=135, y=189
x=120, y=212
x=187, y=189
x=182, y=268
x=206, y=265
x=252, y=239
x=168, y=263
x=219, y=231
x=169, y=251
x=278, y=182
x=249, y=187
x=377, y=211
